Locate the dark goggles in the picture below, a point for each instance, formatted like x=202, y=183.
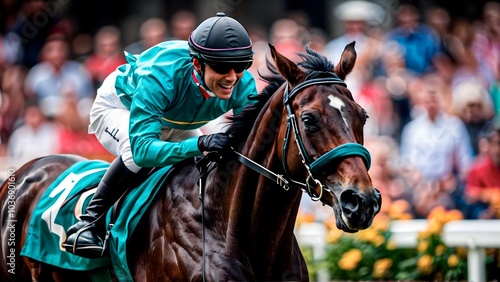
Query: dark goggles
x=226, y=67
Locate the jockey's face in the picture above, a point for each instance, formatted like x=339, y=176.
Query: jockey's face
x=221, y=85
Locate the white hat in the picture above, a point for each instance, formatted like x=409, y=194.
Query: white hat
x=359, y=10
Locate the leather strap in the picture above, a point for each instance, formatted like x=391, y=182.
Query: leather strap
x=277, y=178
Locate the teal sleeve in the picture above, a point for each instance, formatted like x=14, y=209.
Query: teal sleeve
x=249, y=89
x=146, y=112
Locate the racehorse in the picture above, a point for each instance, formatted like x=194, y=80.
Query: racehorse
x=303, y=134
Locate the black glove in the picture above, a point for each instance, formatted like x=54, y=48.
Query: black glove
x=218, y=142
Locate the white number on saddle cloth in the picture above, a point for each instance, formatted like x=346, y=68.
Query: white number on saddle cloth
x=63, y=190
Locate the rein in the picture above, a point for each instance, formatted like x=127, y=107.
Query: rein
x=204, y=165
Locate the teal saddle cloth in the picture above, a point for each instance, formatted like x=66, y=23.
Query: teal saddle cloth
x=60, y=206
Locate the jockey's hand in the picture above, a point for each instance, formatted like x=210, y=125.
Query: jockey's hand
x=218, y=142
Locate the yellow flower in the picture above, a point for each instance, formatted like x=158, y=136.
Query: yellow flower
x=437, y=213
x=354, y=254
x=391, y=246
x=405, y=216
x=368, y=235
x=424, y=264
x=424, y=234
x=333, y=236
x=440, y=249
x=371, y=235
x=435, y=226
x=350, y=259
x=453, y=215
x=304, y=217
x=380, y=222
x=453, y=261
x=422, y=246
x=385, y=208
x=381, y=266
x=398, y=207
x=378, y=240
x=330, y=224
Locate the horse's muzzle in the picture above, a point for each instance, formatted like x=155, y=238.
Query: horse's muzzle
x=359, y=209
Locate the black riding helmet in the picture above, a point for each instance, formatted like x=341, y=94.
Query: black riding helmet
x=221, y=39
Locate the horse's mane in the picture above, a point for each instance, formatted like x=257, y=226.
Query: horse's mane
x=315, y=66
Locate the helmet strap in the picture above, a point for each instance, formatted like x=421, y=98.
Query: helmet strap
x=202, y=86
x=202, y=76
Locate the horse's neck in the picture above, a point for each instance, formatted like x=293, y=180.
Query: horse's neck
x=262, y=213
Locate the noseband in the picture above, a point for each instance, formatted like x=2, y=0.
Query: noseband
x=335, y=155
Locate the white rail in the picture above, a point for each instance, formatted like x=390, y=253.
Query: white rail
x=475, y=235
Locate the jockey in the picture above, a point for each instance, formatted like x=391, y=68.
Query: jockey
x=148, y=112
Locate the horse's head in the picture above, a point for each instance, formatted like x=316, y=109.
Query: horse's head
x=326, y=125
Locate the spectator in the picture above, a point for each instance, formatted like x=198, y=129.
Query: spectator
x=384, y=170
x=10, y=50
x=397, y=81
x=72, y=119
x=46, y=80
x=82, y=46
x=356, y=17
x=440, y=21
x=486, y=43
x=451, y=47
x=32, y=27
x=482, y=188
x=12, y=100
x=318, y=39
x=418, y=42
x=151, y=32
x=37, y=136
x=108, y=54
x=472, y=105
x=285, y=36
x=470, y=64
x=373, y=97
x=435, y=150
x=8, y=14
x=182, y=23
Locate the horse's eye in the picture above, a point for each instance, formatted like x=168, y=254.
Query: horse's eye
x=310, y=123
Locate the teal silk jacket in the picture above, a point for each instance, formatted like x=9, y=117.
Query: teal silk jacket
x=158, y=88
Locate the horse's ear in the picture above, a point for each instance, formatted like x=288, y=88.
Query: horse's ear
x=288, y=69
x=347, y=60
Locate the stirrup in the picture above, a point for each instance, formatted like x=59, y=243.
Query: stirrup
x=89, y=251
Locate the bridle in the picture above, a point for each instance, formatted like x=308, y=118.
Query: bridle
x=313, y=167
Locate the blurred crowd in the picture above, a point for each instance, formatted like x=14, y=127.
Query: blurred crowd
x=429, y=82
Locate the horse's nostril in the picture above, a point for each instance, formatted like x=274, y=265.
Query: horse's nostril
x=350, y=202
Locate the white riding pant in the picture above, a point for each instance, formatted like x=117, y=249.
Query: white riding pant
x=110, y=119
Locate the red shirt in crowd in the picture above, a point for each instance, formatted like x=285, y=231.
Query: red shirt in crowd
x=483, y=175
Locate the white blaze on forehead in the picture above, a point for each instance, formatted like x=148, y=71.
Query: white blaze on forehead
x=337, y=103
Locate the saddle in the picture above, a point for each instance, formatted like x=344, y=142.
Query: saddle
x=66, y=199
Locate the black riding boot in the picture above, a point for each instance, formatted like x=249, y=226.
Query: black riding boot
x=83, y=239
